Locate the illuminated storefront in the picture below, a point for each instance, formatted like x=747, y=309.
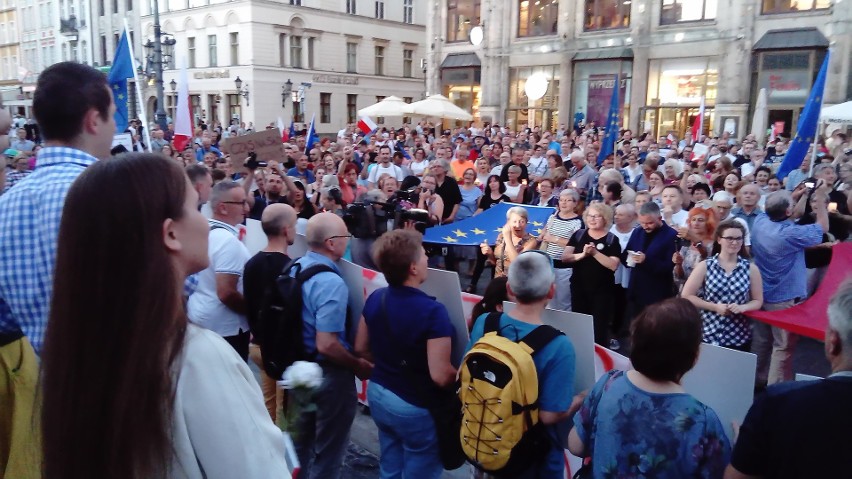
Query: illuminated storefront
x=460, y=81
x=675, y=88
x=594, y=80
x=543, y=112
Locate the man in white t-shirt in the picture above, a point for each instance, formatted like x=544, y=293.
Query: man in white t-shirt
x=673, y=211
x=217, y=303
x=384, y=167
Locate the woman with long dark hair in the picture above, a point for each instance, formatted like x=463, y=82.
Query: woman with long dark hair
x=131, y=389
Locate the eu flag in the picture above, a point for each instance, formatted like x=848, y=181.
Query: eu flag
x=122, y=69
x=611, y=134
x=312, y=138
x=292, y=133
x=807, y=127
x=486, y=226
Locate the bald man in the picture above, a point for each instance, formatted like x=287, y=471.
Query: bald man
x=324, y=434
x=279, y=223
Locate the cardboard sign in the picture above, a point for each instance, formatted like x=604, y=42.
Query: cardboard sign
x=255, y=239
x=266, y=143
x=724, y=380
x=699, y=149
x=581, y=331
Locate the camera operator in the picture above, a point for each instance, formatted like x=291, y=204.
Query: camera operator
x=366, y=219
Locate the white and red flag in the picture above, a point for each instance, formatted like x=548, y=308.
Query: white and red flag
x=183, y=114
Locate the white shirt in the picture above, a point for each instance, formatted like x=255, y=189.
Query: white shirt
x=220, y=427
x=417, y=167
x=227, y=256
x=538, y=166
x=680, y=218
x=380, y=170
x=496, y=170
x=622, y=274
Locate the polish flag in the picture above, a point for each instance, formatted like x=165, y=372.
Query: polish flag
x=698, y=124
x=366, y=125
x=183, y=120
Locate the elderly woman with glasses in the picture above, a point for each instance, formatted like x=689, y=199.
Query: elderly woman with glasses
x=595, y=253
x=729, y=287
x=512, y=241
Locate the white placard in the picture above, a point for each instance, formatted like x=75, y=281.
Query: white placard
x=353, y=275
x=664, y=153
x=807, y=377
x=446, y=288
x=255, y=239
x=124, y=139
x=299, y=247
x=580, y=330
x=699, y=149
x=724, y=380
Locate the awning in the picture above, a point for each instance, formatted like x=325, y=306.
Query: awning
x=461, y=60
x=791, y=38
x=607, y=54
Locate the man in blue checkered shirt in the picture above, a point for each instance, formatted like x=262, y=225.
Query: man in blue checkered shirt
x=74, y=108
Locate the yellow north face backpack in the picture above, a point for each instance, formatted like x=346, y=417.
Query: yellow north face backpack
x=500, y=429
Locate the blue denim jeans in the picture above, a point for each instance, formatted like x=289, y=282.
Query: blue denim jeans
x=406, y=436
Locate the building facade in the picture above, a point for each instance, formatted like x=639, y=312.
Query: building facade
x=342, y=55
x=10, y=77
x=664, y=55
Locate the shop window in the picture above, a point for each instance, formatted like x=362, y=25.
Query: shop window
x=593, y=84
x=676, y=11
x=543, y=112
x=607, y=14
x=537, y=17
x=790, y=6
x=462, y=15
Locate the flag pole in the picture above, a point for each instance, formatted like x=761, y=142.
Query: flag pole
x=139, y=102
x=816, y=131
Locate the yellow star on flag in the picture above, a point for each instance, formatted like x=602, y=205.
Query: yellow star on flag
x=116, y=87
x=460, y=233
x=450, y=239
x=499, y=230
x=536, y=223
x=120, y=96
x=539, y=230
x=477, y=231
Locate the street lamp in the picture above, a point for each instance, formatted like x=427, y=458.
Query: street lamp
x=243, y=92
x=286, y=90
x=160, y=52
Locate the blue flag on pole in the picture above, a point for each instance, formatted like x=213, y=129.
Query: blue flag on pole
x=122, y=69
x=806, y=130
x=292, y=132
x=312, y=138
x=486, y=226
x=611, y=132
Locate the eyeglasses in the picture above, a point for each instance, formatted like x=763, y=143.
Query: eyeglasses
x=594, y=217
x=732, y=239
x=244, y=202
x=338, y=236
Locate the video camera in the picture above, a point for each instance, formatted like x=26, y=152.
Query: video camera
x=371, y=219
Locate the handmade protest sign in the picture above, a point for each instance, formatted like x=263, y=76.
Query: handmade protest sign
x=266, y=144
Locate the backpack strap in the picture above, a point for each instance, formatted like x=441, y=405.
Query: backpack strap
x=311, y=271
x=540, y=337
x=492, y=323
x=578, y=235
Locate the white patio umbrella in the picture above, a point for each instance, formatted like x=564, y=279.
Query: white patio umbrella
x=389, y=106
x=841, y=113
x=439, y=106
x=758, y=121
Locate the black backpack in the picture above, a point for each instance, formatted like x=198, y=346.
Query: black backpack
x=280, y=319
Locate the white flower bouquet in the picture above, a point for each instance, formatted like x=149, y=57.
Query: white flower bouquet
x=299, y=380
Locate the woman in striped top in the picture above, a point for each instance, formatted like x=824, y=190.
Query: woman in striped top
x=555, y=235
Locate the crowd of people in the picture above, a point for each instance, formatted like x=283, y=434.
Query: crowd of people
x=153, y=309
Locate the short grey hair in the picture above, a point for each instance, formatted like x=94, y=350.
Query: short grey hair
x=442, y=163
x=514, y=168
x=822, y=166
x=572, y=193
x=777, y=204
x=839, y=314
x=517, y=210
x=217, y=195
x=577, y=155
x=530, y=277
x=650, y=208
x=627, y=208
